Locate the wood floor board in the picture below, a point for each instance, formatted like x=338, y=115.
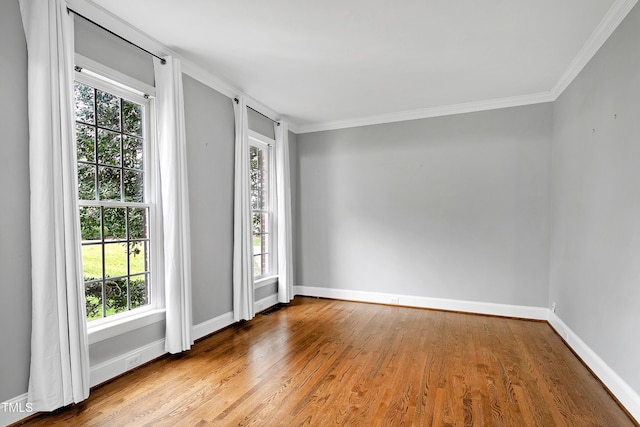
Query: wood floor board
x=318, y=362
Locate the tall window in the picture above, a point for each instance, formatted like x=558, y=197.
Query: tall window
x=111, y=130
x=261, y=205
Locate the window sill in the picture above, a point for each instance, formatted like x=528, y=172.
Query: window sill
x=265, y=281
x=123, y=325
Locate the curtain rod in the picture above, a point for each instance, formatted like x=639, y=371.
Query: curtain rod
x=162, y=60
x=262, y=114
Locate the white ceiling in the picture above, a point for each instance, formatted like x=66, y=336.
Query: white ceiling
x=329, y=63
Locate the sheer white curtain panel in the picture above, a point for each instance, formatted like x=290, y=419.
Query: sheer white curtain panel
x=283, y=194
x=59, y=370
x=174, y=190
x=243, y=294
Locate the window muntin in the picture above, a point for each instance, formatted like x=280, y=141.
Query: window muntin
x=261, y=181
x=111, y=129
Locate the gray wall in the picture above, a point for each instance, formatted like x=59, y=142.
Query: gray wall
x=210, y=152
x=259, y=123
x=107, y=49
x=595, y=255
x=450, y=207
x=210, y=156
x=453, y=207
x=295, y=211
x=210, y=140
x=15, y=252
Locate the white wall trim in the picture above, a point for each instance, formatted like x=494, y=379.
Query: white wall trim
x=120, y=364
x=525, y=312
x=614, y=16
x=626, y=395
x=109, y=369
x=14, y=410
x=424, y=113
x=265, y=303
x=607, y=26
x=212, y=325
x=124, y=325
x=114, y=77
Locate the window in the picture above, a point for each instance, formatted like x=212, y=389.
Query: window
x=113, y=192
x=262, y=191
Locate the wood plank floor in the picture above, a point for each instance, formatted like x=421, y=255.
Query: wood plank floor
x=324, y=362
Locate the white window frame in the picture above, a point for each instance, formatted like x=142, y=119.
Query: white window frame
x=263, y=142
x=103, y=78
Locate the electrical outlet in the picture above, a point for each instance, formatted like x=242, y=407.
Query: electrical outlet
x=133, y=361
x=553, y=307
x=395, y=300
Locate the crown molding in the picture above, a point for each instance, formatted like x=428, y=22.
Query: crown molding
x=614, y=16
x=470, y=107
x=598, y=37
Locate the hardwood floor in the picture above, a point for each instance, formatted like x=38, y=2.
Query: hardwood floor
x=323, y=362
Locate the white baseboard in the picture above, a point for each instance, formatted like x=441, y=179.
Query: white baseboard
x=14, y=410
x=119, y=365
x=525, y=312
x=627, y=396
x=265, y=303
x=210, y=326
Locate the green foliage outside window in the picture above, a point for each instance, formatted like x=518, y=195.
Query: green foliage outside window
x=109, y=140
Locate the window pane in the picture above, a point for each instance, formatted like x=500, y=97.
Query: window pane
x=256, y=166
x=256, y=179
x=84, y=103
x=133, y=186
x=138, y=286
x=138, y=257
x=116, y=291
x=260, y=265
x=264, y=223
x=90, y=223
x=110, y=155
x=137, y=223
x=257, y=244
x=92, y=262
x=108, y=110
x=257, y=223
x=264, y=248
x=93, y=299
x=86, y=182
x=109, y=183
x=257, y=266
x=132, y=150
x=108, y=148
x=257, y=200
x=132, y=118
x=265, y=263
x=115, y=224
x=85, y=143
x=115, y=259
x=264, y=200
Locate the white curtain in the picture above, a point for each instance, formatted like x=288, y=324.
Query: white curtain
x=283, y=194
x=172, y=155
x=59, y=372
x=243, y=296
